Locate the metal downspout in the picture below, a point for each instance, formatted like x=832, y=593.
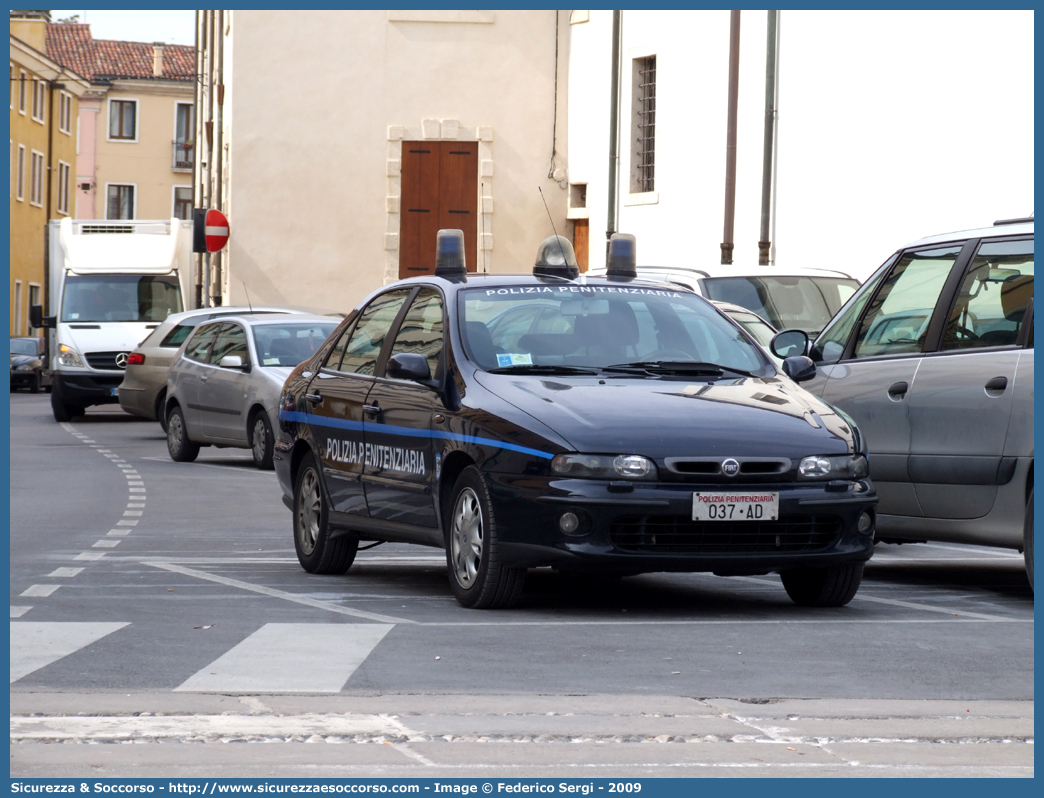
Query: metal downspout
x=197, y=152
x=730, y=144
x=614, y=131
x=220, y=135
x=768, y=162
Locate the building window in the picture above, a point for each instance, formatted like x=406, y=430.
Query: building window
x=36, y=179
x=20, y=174
x=21, y=92
x=120, y=203
x=39, y=100
x=16, y=315
x=182, y=202
x=643, y=125
x=34, y=299
x=65, y=113
x=64, y=175
x=184, y=136
x=123, y=120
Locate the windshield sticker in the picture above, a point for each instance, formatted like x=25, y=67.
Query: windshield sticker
x=514, y=360
x=582, y=289
x=387, y=458
x=271, y=361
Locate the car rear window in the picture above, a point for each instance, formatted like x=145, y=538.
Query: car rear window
x=805, y=303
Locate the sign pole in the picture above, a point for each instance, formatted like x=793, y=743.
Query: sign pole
x=206, y=280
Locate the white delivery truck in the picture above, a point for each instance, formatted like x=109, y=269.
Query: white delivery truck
x=110, y=284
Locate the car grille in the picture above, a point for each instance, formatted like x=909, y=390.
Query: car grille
x=103, y=360
x=679, y=534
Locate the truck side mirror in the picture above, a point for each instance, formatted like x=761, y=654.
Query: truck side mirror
x=38, y=320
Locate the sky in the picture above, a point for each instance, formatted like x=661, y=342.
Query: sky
x=169, y=27
x=928, y=129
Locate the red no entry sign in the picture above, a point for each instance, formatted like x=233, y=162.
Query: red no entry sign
x=215, y=229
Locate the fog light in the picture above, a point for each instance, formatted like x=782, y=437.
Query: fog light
x=568, y=523
x=865, y=522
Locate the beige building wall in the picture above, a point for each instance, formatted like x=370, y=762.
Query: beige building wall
x=317, y=105
x=147, y=161
x=50, y=136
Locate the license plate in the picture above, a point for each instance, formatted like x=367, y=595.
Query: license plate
x=735, y=506
x=114, y=391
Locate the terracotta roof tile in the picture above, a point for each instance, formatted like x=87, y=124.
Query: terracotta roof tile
x=72, y=45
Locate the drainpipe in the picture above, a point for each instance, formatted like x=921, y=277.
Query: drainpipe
x=730, y=145
x=220, y=172
x=209, y=127
x=768, y=167
x=197, y=153
x=614, y=131
x=47, y=213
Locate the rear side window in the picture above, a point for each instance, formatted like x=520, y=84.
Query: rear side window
x=198, y=348
x=176, y=337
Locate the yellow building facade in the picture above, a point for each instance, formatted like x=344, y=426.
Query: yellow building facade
x=44, y=118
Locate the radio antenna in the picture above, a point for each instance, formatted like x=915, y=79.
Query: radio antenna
x=558, y=240
x=249, y=305
x=482, y=227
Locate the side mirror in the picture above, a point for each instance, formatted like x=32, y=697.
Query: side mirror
x=37, y=319
x=233, y=362
x=409, y=366
x=789, y=343
x=799, y=368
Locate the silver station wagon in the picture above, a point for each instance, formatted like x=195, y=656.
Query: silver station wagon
x=933, y=359
x=224, y=385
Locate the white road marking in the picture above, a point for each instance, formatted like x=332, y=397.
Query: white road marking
x=65, y=572
x=280, y=594
x=137, y=490
x=39, y=590
x=132, y=512
x=136, y=484
x=126, y=523
x=34, y=645
x=402, y=748
x=118, y=533
x=104, y=451
x=291, y=657
x=135, y=504
x=18, y=612
x=89, y=555
x=105, y=544
x=65, y=425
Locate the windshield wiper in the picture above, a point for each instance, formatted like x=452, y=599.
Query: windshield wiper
x=534, y=368
x=676, y=367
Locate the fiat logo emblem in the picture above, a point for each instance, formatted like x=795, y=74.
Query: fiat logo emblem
x=730, y=467
x=121, y=360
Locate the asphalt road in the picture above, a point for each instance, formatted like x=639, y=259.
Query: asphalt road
x=175, y=584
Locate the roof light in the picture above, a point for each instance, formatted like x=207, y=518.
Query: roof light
x=623, y=259
x=555, y=258
x=449, y=254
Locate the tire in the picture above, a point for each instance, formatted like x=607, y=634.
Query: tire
x=1027, y=539
x=34, y=385
x=317, y=552
x=477, y=576
x=182, y=449
x=823, y=587
x=261, y=440
x=161, y=410
x=62, y=411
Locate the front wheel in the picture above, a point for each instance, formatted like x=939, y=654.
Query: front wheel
x=477, y=576
x=34, y=385
x=62, y=411
x=317, y=552
x=823, y=587
x=181, y=448
x=261, y=440
x=1027, y=539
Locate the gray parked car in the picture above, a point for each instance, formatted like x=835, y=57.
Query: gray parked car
x=933, y=359
x=224, y=385
x=143, y=391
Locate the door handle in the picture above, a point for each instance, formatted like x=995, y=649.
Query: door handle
x=372, y=410
x=204, y=378
x=898, y=390
x=997, y=384
x=314, y=398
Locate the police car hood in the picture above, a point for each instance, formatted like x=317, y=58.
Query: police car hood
x=745, y=417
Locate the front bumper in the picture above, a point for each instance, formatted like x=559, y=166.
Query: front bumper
x=649, y=527
x=23, y=378
x=85, y=389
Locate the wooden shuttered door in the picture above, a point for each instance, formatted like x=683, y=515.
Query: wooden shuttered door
x=582, y=242
x=439, y=190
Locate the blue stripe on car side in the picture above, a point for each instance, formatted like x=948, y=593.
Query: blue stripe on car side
x=337, y=423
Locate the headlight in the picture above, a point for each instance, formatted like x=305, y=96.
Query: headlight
x=67, y=356
x=604, y=466
x=846, y=466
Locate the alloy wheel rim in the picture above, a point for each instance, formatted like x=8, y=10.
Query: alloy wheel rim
x=259, y=440
x=174, y=432
x=309, y=505
x=467, y=538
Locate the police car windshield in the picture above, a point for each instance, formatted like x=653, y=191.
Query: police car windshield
x=596, y=326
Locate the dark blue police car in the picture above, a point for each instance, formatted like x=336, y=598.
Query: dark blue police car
x=551, y=419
